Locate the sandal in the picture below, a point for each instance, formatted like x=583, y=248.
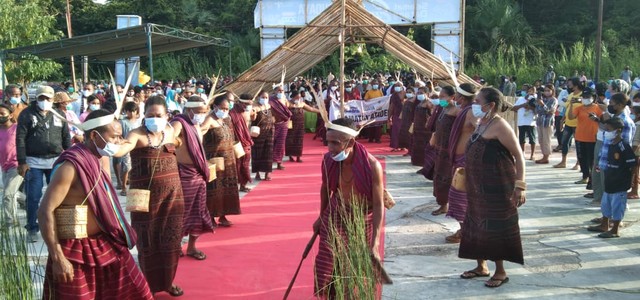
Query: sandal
x=633, y=196
x=495, y=282
x=473, y=274
x=175, y=291
x=224, y=223
x=596, y=228
x=438, y=211
x=245, y=189
x=123, y=193
x=608, y=235
x=198, y=255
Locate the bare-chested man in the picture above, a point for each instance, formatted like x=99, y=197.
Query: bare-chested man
x=463, y=127
x=194, y=172
x=78, y=179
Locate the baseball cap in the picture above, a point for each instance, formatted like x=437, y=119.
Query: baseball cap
x=45, y=90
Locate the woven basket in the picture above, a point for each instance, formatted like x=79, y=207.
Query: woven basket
x=138, y=200
x=219, y=161
x=212, y=172
x=254, y=131
x=71, y=222
x=238, y=150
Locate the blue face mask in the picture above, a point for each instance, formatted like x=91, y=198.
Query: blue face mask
x=230, y=105
x=341, y=156
x=280, y=95
x=178, y=90
x=421, y=97
x=94, y=107
x=14, y=100
x=607, y=94
x=221, y=114
x=263, y=101
x=444, y=103
x=155, y=124
x=348, y=89
x=110, y=149
x=397, y=88
x=375, y=86
x=200, y=90
x=392, y=83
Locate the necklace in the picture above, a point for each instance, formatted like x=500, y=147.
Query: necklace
x=477, y=133
x=443, y=113
x=149, y=140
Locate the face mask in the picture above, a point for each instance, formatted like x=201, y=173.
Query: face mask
x=375, y=86
x=334, y=87
x=45, y=105
x=409, y=96
x=444, y=103
x=221, y=114
x=248, y=108
x=71, y=90
x=632, y=116
x=421, y=97
x=476, y=109
x=435, y=101
x=155, y=124
x=198, y=118
x=14, y=100
x=392, y=83
x=348, y=89
x=94, y=107
x=230, y=105
x=610, y=135
x=4, y=120
x=397, y=89
x=280, y=95
x=154, y=94
x=340, y=156
x=586, y=102
x=69, y=107
x=110, y=149
x=200, y=90
x=610, y=109
x=86, y=93
x=458, y=105
x=607, y=94
x=263, y=101
x=365, y=81
x=178, y=90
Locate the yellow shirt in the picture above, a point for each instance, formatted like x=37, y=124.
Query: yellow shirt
x=371, y=94
x=567, y=121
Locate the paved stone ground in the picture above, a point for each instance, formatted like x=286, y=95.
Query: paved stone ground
x=562, y=259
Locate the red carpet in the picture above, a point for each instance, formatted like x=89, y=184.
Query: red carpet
x=258, y=255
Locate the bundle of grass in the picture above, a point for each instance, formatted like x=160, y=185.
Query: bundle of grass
x=16, y=281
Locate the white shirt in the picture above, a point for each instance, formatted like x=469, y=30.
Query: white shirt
x=526, y=117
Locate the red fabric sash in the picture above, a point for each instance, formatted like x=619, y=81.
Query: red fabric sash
x=240, y=126
x=196, y=151
x=281, y=112
x=107, y=210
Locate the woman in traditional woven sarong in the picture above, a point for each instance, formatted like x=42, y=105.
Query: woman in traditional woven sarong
x=154, y=167
x=405, y=138
x=420, y=136
x=495, y=189
x=262, y=150
x=223, y=197
x=442, y=174
x=295, y=136
x=282, y=115
x=395, y=110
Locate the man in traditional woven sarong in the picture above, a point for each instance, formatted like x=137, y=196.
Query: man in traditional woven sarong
x=239, y=115
x=463, y=127
x=442, y=174
x=348, y=172
x=194, y=172
x=282, y=115
x=98, y=266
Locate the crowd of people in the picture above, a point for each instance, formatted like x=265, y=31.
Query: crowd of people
x=194, y=152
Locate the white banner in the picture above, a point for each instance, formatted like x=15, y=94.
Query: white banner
x=361, y=111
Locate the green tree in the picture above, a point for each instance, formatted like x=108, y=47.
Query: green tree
x=25, y=23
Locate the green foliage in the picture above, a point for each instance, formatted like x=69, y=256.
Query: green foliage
x=16, y=278
x=24, y=23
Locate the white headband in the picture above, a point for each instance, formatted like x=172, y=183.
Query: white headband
x=97, y=122
x=463, y=92
x=194, y=104
x=343, y=129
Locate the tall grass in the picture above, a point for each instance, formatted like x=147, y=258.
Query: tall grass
x=16, y=277
x=354, y=274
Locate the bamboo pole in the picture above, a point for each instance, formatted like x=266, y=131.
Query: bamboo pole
x=342, y=40
x=70, y=35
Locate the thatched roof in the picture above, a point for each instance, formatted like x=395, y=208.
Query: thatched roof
x=319, y=39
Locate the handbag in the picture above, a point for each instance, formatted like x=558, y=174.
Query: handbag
x=459, y=180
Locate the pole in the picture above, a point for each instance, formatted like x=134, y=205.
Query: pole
x=596, y=76
x=70, y=34
x=461, y=46
x=2, y=76
x=150, y=49
x=342, y=40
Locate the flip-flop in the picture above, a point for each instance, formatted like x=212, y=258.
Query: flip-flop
x=595, y=229
x=245, y=190
x=175, y=291
x=472, y=274
x=123, y=193
x=499, y=281
x=267, y=179
x=198, y=255
x=438, y=212
x=225, y=223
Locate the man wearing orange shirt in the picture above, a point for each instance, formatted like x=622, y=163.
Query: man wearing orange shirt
x=586, y=130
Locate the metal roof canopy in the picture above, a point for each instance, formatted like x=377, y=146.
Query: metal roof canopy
x=142, y=40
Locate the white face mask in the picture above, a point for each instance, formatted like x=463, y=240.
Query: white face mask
x=198, y=118
x=155, y=124
x=45, y=105
x=248, y=108
x=221, y=114
x=435, y=101
x=409, y=96
x=586, y=101
x=334, y=87
x=110, y=149
x=87, y=93
x=610, y=135
x=263, y=101
x=94, y=107
x=476, y=109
